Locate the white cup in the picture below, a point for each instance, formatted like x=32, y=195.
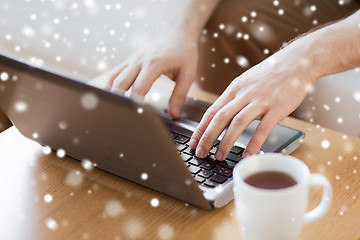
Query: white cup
x=276, y=213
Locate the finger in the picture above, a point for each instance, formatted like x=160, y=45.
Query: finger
x=221, y=119
x=114, y=74
x=183, y=82
x=205, y=120
x=266, y=125
x=145, y=80
x=126, y=78
x=238, y=124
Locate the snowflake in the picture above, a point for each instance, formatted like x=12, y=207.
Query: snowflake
x=281, y=11
x=113, y=208
x=35, y=135
x=63, y=125
x=56, y=21
x=242, y=61
x=89, y=101
x=165, y=232
x=144, y=176
x=46, y=150
x=253, y=14
x=60, y=153
x=17, y=48
x=127, y=24
x=356, y=96
x=325, y=144
x=28, y=32
x=21, y=106
x=154, y=202
x=74, y=178
x=276, y=3
x=101, y=66
x=134, y=228
x=51, y=224
x=48, y=198
x=112, y=32
x=8, y=37
x=140, y=110
x=87, y=164
x=326, y=107
x=4, y=76
x=155, y=96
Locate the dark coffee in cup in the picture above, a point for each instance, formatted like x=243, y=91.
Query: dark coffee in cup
x=270, y=180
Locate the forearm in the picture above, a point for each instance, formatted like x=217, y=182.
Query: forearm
x=195, y=15
x=335, y=48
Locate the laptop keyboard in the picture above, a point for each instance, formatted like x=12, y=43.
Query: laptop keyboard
x=206, y=171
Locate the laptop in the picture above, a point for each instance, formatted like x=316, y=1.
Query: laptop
x=123, y=136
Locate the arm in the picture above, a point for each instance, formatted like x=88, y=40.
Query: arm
x=173, y=53
x=274, y=88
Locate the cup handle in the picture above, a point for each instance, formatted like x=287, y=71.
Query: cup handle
x=321, y=209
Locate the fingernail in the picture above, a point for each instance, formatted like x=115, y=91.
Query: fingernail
x=193, y=142
x=218, y=155
x=246, y=154
x=200, y=152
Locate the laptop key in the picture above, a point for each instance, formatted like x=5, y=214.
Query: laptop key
x=210, y=183
x=180, y=147
x=205, y=173
x=237, y=150
x=216, y=143
x=199, y=179
x=227, y=163
x=196, y=161
x=211, y=158
x=207, y=165
x=213, y=151
x=181, y=139
x=185, y=157
x=218, y=178
x=194, y=169
x=173, y=135
x=189, y=151
x=233, y=157
x=223, y=171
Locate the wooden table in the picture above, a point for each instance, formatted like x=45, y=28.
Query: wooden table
x=46, y=197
